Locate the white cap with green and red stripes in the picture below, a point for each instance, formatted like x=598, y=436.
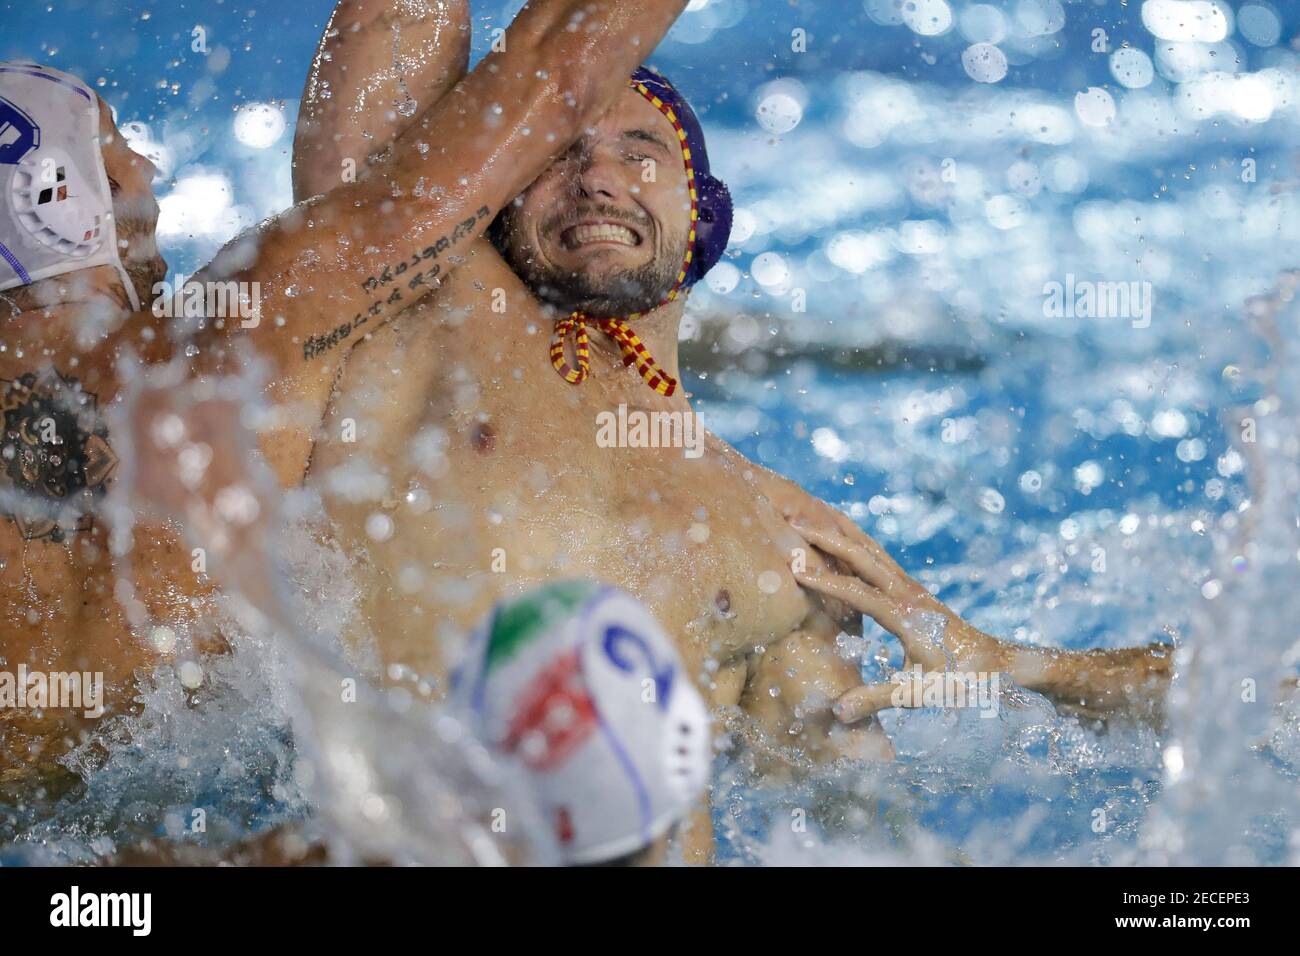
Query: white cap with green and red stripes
x=579, y=683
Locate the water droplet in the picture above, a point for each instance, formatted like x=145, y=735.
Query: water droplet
x=191, y=674
x=379, y=526
x=163, y=639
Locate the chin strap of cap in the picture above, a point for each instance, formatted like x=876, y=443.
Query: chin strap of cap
x=634, y=351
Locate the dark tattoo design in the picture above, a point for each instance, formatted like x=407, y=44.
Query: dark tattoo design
x=54, y=451
x=317, y=345
x=320, y=344
x=392, y=273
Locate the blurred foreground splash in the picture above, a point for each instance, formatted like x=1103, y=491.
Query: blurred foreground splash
x=1233, y=760
x=288, y=728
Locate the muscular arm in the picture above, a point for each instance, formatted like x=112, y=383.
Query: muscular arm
x=1093, y=683
x=379, y=63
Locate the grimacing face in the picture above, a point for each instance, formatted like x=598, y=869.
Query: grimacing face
x=135, y=210
x=603, y=230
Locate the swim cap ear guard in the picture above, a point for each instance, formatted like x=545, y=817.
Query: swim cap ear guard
x=713, y=227
x=56, y=208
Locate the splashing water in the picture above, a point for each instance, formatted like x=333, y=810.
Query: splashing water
x=1058, y=481
x=1233, y=762
x=285, y=726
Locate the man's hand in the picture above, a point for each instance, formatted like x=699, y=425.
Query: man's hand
x=932, y=636
x=800, y=508
x=1094, y=683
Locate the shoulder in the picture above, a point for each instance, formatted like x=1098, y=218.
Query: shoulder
x=82, y=341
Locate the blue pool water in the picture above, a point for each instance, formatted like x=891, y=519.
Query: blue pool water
x=1021, y=564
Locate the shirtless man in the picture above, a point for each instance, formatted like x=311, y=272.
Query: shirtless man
x=72, y=293
x=471, y=449
x=457, y=466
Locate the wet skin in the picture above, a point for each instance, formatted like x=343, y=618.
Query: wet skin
x=490, y=476
x=459, y=397
x=490, y=480
x=66, y=603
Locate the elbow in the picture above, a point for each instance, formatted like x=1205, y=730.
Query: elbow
x=545, y=95
x=571, y=87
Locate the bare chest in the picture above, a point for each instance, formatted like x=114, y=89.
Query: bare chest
x=464, y=468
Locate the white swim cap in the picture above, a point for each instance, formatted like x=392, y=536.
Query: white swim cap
x=57, y=208
x=580, y=683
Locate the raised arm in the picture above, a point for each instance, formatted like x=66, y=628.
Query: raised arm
x=336, y=266
x=379, y=64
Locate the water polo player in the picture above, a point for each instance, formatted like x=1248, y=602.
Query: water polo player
x=474, y=416
x=76, y=281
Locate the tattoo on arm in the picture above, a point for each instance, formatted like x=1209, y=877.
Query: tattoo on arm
x=55, y=459
x=318, y=345
x=392, y=273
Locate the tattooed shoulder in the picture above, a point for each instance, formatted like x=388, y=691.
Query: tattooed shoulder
x=55, y=456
